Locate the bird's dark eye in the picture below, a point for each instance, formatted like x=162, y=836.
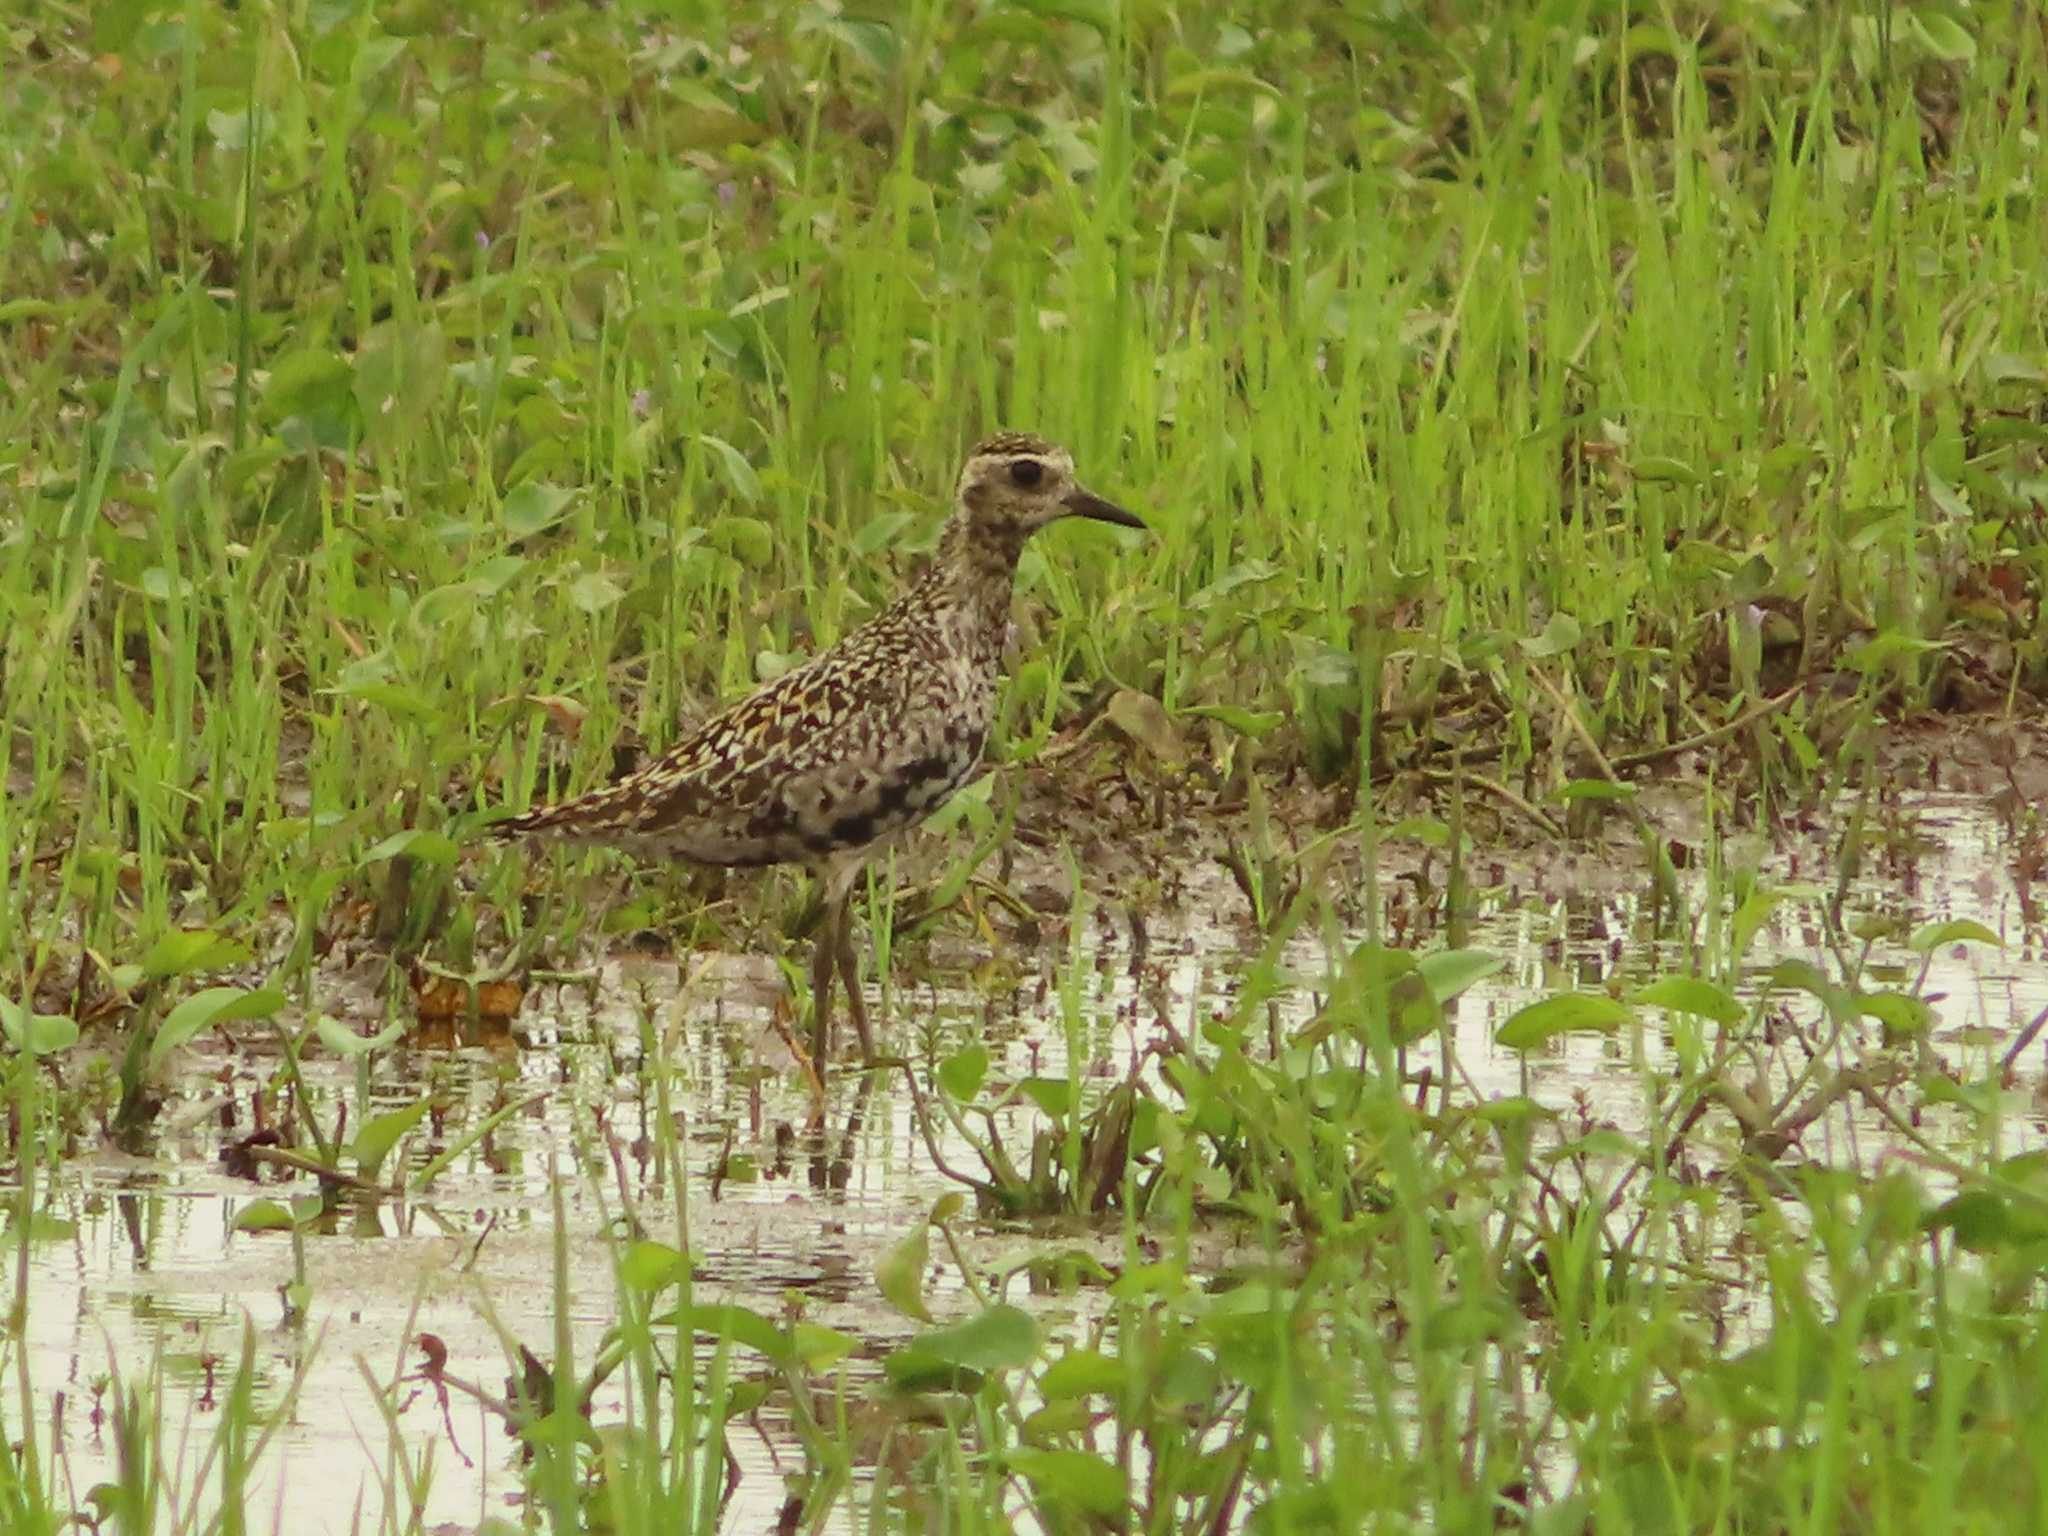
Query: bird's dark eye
x=1027, y=472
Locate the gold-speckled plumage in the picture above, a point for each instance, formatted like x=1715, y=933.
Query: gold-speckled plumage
x=869, y=737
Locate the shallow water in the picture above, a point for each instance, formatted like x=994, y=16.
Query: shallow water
x=144, y=1260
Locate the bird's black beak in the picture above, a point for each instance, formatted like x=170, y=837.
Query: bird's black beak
x=1081, y=502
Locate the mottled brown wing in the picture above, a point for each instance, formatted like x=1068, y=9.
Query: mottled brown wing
x=745, y=787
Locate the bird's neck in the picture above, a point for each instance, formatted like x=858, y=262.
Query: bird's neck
x=975, y=571
x=977, y=562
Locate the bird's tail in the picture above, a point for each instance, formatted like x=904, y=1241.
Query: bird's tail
x=610, y=809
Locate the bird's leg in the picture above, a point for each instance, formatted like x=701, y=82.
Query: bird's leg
x=839, y=875
x=849, y=973
x=824, y=953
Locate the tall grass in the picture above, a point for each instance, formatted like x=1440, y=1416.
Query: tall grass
x=368, y=377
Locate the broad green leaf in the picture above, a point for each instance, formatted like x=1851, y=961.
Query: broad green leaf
x=560, y=1431
x=1054, y=1095
x=1261, y=1299
x=1875, y=655
x=968, y=810
x=1981, y=1220
x=1749, y=919
x=1960, y=930
x=381, y=1133
x=397, y=699
x=1514, y=1110
x=1255, y=723
x=1002, y=1338
x=400, y=372
x=650, y=1266
x=741, y=1398
x=1089, y=13
x=346, y=1043
x=878, y=533
x=1214, y=83
x=493, y=575
x=161, y=586
x=1553, y=1016
x=453, y=603
x=36, y=1034
x=1247, y=573
x=819, y=1348
x=238, y=469
x=182, y=951
x=302, y=383
x=1997, y=367
x=1427, y=830
x=422, y=843
x=1451, y=971
x=533, y=507
x=741, y=1325
x=1609, y=1144
x=1080, y=1478
x=593, y=592
x=232, y=130
x=1191, y=1377
x=1690, y=994
x=1903, y=1016
x=962, y=1074
x=204, y=1009
x=1647, y=38
x=263, y=1216
x=1560, y=635
x=1801, y=744
x=1944, y=36
x=1060, y=1419
x=1653, y=470
x=899, y=1273
x=747, y=539
x=1380, y=987
x=739, y=474
x=1146, y=1280
x=1413, y=1013
x=1979, y=1098
x=1082, y=1372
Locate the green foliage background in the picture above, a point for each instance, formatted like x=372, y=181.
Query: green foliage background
x=370, y=370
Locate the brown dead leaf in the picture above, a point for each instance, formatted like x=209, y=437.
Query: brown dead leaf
x=1143, y=719
x=564, y=713
x=441, y=998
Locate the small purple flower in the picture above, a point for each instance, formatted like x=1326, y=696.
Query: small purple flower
x=483, y=240
x=727, y=191
x=641, y=400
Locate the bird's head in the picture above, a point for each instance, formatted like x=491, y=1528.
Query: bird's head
x=1013, y=484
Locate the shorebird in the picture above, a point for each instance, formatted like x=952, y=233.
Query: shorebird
x=864, y=740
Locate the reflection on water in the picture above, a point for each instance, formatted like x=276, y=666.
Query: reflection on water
x=140, y=1259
